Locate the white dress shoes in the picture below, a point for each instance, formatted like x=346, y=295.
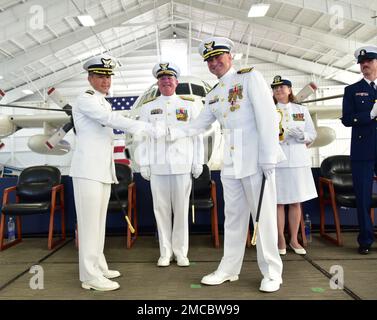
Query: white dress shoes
x=270, y=285
x=283, y=252
x=111, y=274
x=182, y=261
x=300, y=251
x=218, y=277
x=164, y=261
x=100, y=284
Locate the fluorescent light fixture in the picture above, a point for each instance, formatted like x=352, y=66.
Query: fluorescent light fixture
x=258, y=10
x=86, y=21
x=237, y=56
x=27, y=91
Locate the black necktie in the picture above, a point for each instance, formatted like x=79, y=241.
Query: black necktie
x=373, y=86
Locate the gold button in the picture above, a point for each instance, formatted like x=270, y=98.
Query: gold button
x=222, y=99
x=232, y=147
x=168, y=114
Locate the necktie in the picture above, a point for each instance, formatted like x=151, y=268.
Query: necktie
x=373, y=86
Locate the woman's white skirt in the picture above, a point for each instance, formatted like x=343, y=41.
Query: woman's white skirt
x=294, y=185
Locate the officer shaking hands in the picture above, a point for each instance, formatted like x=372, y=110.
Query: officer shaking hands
x=168, y=165
x=242, y=103
x=93, y=170
x=360, y=113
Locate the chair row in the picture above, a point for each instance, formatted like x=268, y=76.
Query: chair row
x=39, y=191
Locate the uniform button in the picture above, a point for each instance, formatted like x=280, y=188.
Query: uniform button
x=168, y=114
x=224, y=115
x=359, y=137
x=362, y=101
x=354, y=120
x=222, y=99
x=232, y=148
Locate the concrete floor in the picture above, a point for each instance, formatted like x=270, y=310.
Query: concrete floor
x=305, y=277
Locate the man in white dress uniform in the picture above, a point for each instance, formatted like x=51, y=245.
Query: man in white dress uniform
x=243, y=105
x=168, y=165
x=93, y=170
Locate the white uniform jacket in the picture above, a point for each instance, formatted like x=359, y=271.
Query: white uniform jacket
x=243, y=105
x=291, y=116
x=93, y=156
x=170, y=157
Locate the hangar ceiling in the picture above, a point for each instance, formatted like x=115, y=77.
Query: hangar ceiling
x=44, y=46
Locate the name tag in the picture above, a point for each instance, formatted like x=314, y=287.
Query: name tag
x=157, y=111
x=362, y=94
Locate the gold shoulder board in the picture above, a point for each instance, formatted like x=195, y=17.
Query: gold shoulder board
x=149, y=100
x=187, y=98
x=213, y=87
x=246, y=70
x=89, y=92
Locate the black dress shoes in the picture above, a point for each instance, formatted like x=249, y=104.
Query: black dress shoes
x=363, y=250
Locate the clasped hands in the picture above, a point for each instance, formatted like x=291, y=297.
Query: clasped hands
x=296, y=133
x=156, y=130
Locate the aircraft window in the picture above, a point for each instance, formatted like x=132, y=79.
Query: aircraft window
x=183, y=88
x=198, y=90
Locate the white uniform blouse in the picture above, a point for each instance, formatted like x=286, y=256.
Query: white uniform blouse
x=293, y=115
x=93, y=155
x=249, y=124
x=170, y=157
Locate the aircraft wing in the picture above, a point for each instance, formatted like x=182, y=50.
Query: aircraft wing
x=326, y=111
x=38, y=120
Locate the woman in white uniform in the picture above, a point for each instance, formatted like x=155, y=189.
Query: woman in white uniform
x=294, y=179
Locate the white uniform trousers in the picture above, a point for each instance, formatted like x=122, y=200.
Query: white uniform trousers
x=91, y=201
x=241, y=197
x=171, y=193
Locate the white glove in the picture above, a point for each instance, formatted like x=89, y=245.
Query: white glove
x=156, y=132
x=373, y=113
x=297, y=133
x=160, y=130
x=268, y=169
x=196, y=170
x=145, y=172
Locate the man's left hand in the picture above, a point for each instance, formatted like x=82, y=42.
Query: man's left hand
x=196, y=170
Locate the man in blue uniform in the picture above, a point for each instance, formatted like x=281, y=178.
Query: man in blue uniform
x=359, y=112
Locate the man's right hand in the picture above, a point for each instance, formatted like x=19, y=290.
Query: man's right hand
x=268, y=169
x=373, y=113
x=145, y=172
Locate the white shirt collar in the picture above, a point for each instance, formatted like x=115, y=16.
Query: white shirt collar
x=229, y=73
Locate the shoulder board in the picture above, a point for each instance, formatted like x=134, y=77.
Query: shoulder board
x=89, y=92
x=187, y=98
x=246, y=70
x=149, y=100
x=213, y=87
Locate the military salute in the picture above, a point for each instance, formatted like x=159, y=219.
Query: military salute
x=168, y=164
x=294, y=179
x=93, y=170
x=243, y=105
x=359, y=112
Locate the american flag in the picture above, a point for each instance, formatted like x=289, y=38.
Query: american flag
x=120, y=103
